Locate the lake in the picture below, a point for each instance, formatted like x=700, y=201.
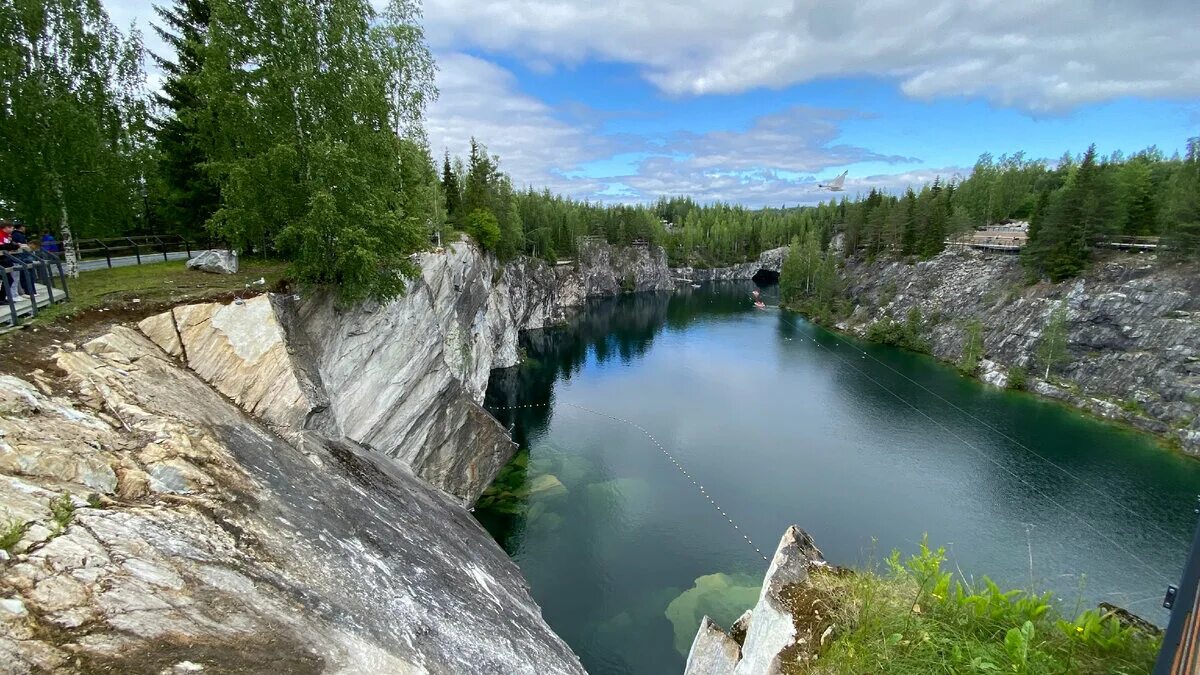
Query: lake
x=866, y=447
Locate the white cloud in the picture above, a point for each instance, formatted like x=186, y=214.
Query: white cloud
x=1041, y=56
x=480, y=99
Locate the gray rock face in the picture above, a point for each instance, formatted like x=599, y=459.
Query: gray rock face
x=217, y=261
x=775, y=637
x=770, y=261
x=406, y=378
x=1133, y=329
x=213, y=541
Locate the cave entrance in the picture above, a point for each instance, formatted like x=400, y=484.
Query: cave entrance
x=766, y=277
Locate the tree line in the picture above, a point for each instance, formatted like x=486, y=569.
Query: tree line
x=294, y=129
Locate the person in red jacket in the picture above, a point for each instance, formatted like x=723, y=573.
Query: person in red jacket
x=8, y=248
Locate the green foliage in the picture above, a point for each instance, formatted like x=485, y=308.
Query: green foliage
x=62, y=511
x=809, y=280
x=313, y=112
x=907, y=334
x=972, y=347
x=482, y=225
x=1052, y=349
x=186, y=196
x=11, y=531
x=1017, y=377
x=915, y=614
x=73, y=132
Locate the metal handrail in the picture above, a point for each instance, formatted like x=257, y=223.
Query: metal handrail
x=160, y=243
x=41, y=268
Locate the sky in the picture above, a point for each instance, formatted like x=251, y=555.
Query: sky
x=756, y=102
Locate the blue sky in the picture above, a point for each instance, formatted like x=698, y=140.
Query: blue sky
x=754, y=102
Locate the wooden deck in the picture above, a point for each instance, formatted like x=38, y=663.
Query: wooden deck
x=24, y=306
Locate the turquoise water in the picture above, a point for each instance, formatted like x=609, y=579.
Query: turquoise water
x=783, y=422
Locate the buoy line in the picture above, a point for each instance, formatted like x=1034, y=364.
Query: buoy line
x=666, y=453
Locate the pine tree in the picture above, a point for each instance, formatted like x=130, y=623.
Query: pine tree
x=190, y=196
x=452, y=191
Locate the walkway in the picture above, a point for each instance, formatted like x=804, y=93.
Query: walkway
x=127, y=260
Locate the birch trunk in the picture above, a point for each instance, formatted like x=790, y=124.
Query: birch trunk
x=70, y=253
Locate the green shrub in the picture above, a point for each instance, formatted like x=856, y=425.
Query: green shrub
x=914, y=614
x=62, y=511
x=1017, y=377
x=906, y=335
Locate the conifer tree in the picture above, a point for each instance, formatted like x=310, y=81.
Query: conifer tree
x=190, y=196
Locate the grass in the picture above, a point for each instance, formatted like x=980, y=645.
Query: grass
x=124, y=293
x=156, y=284
x=913, y=617
x=11, y=532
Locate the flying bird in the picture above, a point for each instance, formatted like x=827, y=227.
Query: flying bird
x=836, y=184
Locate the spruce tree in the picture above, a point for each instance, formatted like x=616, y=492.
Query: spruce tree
x=190, y=196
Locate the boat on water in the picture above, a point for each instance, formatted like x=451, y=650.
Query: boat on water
x=695, y=285
x=758, y=304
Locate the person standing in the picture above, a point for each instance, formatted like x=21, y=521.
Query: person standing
x=7, y=249
x=49, y=243
x=23, y=256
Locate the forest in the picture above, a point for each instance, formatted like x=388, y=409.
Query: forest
x=289, y=129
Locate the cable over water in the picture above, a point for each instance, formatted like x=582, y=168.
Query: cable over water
x=1112, y=542
x=1065, y=471
x=666, y=453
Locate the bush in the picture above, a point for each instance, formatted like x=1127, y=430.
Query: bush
x=482, y=225
x=914, y=614
x=906, y=335
x=1017, y=377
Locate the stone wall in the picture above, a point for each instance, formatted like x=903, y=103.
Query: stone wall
x=1133, y=329
x=770, y=260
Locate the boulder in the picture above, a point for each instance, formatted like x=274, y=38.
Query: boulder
x=217, y=261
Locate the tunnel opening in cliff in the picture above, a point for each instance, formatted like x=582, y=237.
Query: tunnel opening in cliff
x=766, y=277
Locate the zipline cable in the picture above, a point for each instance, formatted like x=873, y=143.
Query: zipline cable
x=1001, y=466
x=671, y=458
x=1019, y=444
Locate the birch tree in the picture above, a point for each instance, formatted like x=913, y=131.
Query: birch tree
x=72, y=118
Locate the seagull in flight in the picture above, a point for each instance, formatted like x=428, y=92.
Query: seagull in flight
x=836, y=184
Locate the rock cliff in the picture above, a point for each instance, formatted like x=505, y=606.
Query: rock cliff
x=1133, y=326
x=770, y=261
x=281, y=482
x=155, y=527
x=777, y=633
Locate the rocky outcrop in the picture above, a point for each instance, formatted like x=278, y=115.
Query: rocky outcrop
x=406, y=378
x=768, y=261
x=155, y=527
x=217, y=261
x=784, y=630
x=1133, y=325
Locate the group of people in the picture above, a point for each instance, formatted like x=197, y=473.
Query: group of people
x=17, y=248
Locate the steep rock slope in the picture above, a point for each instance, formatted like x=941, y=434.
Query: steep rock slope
x=1133, y=327
x=209, y=541
x=406, y=378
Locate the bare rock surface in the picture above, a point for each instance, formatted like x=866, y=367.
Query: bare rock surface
x=770, y=261
x=216, y=261
x=1133, y=325
x=163, y=530
x=779, y=631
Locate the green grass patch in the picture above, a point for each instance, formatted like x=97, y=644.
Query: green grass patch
x=157, y=285
x=11, y=531
x=913, y=617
